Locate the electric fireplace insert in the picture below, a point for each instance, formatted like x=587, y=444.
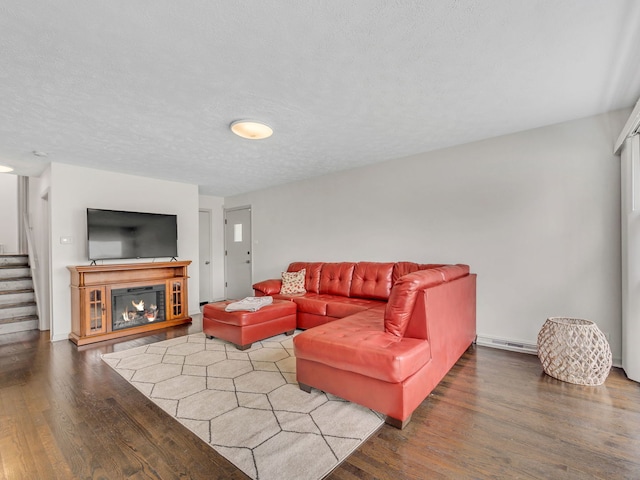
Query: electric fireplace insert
x=136, y=306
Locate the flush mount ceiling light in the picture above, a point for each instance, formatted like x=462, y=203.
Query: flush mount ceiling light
x=251, y=130
x=5, y=169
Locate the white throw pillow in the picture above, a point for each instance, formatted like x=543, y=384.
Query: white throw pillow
x=293, y=282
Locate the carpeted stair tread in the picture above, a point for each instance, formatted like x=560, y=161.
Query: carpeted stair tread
x=18, y=305
x=26, y=318
x=20, y=290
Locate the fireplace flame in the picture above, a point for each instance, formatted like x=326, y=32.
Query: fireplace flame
x=152, y=313
x=149, y=315
x=128, y=316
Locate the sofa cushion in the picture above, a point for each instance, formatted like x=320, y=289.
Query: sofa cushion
x=312, y=279
x=293, y=282
x=340, y=307
x=311, y=303
x=332, y=305
x=359, y=344
x=371, y=280
x=335, y=278
x=401, y=269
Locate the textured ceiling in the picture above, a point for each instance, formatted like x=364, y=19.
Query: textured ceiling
x=150, y=87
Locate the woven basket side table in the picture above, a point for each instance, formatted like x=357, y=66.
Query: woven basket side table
x=574, y=350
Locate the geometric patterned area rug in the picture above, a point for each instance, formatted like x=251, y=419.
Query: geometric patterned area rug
x=247, y=404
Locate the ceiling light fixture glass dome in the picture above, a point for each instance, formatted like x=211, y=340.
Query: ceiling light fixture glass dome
x=251, y=129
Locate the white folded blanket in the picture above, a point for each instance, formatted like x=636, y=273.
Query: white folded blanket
x=251, y=304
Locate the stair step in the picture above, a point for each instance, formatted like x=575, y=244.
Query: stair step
x=17, y=310
x=19, y=260
x=19, y=324
x=17, y=296
x=18, y=283
x=14, y=271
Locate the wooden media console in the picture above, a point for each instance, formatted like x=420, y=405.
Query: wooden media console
x=112, y=301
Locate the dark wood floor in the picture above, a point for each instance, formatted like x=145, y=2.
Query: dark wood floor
x=65, y=414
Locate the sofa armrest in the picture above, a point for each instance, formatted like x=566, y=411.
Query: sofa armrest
x=445, y=314
x=267, y=287
x=407, y=289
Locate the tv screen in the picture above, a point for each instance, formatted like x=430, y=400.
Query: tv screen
x=114, y=234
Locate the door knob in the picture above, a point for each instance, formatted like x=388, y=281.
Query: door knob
x=207, y=262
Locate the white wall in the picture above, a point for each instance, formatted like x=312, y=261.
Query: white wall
x=8, y=213
x=215, y=205
x=535, y=214
x=73, y=189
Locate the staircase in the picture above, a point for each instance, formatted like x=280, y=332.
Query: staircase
x=18, y=310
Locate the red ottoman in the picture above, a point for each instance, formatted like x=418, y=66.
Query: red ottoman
x=243, y=328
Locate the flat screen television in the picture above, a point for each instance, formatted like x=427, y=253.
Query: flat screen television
x=114, y=234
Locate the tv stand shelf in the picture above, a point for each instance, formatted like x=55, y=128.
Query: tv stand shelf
x=91, y=299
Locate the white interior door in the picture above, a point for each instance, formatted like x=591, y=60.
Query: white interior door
x=630, y=189
x=205, y=268
x=237, y=241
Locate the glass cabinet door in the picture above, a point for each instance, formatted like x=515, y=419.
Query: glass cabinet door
x=95, y=312
x=176, y=298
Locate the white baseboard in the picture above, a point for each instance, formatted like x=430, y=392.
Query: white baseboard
x=518, y=346
x=507, y=344
x=59, y=337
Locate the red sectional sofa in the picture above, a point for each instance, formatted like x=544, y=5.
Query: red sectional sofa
x=380, y=334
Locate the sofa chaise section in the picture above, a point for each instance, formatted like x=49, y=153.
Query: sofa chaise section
x=389, y=359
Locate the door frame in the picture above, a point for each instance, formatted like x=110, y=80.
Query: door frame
x=209, y=296
x=44, y=277
x=231, y=209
